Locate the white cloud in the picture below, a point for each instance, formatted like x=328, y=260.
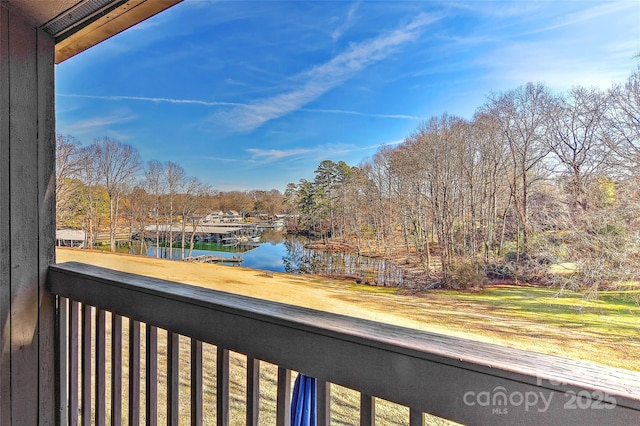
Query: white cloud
x=232, y=104
x=364, y=114
x=101, y=122
x=596, y=13
x=560, y=66
x=322, y=78
x=270, y=155
x=316, y=153
x=153, y=99
x=390, y=143
x=338, y=32
x=226, y=160
x=568, y=50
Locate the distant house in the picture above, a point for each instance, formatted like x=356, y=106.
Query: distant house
x=286, y=216
x=213, y=218
x=70, y=237
x=231, y=216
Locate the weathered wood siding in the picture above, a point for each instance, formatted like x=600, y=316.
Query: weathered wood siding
x=27, y=202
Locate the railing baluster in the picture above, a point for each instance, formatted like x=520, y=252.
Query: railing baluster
x=254, y=326
x=152, y=375
x=134, y=372
x=86, y=363
x=196, y=382
x=367, y=410
x=74, y=313
x=101, y=360
x=173, y=377
x=323, y=395
x=253, y=391
x=283, y=401
x=62, y=360
x=416, y=418
x=222, y=397
x=116, y=370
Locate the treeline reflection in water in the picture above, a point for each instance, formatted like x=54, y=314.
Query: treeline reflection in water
x=279, y=252
x=350, y=265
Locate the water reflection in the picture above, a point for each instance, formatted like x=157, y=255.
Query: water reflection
x=280, y=252
x=345, y=265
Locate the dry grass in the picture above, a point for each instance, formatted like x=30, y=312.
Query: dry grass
x=604, y=330
x=344, y=402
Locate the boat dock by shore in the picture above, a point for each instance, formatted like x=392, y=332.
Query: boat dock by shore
x=208, y=258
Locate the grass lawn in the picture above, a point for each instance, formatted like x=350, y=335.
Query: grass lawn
x=605, y=330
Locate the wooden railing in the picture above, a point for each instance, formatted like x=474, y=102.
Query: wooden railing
x=461, y=380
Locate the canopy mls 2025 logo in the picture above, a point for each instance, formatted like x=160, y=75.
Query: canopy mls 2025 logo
x=500, y=400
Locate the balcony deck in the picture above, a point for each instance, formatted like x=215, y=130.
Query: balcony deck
x=457, y=379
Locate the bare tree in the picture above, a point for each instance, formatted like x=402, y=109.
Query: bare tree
x=441, y=142
x=407, y=182
x=380, y=197
x=175, y=179
x=355, y=206
x=136, y=208
x=492, y=190
x=154, y=184
x=577, y=137
x=67, y=168
x=117, y=164
x=90, y=193
x=624, y=120
x=523, y=117
x=188, y=206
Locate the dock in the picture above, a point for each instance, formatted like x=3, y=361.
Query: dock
x=208, y=258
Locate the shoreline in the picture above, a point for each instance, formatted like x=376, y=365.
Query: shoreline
x=448, y=313
x=309, y=291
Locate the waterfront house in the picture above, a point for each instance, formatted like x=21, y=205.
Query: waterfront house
x=231, y=216
x=213, y=218
x=46, y=364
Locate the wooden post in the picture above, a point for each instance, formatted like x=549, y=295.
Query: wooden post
x=196, y=382
x=134, y=372
x=283, y=397
x=151, y=380
x=27, y=222
x=116, y=370
x=64, y=372
x=74, y=321
x=253, y=391
x=416, y=418
x=323, y=392
x=85, y=369
x=173, y=377
x=367, y=410
x=222, y=379
x=100, y=369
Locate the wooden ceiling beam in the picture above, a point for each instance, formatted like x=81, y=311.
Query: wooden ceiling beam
x=104, y=24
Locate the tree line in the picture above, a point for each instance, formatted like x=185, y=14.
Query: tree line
x=533, y=179
x=105, y=187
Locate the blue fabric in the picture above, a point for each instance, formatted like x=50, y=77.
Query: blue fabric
x=303, y=402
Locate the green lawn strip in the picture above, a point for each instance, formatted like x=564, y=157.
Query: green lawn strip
x=604, y=330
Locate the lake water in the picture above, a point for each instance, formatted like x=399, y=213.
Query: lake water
x=267, y=256
x=286, y=253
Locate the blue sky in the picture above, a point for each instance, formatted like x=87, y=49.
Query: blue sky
x=253, y=95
